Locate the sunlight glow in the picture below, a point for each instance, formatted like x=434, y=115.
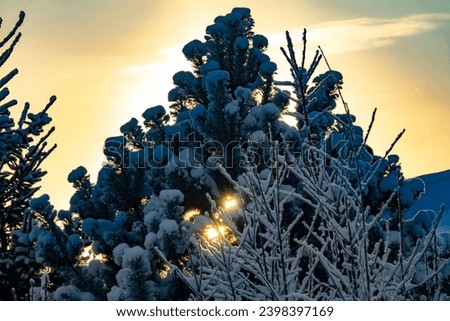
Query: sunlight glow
x=213, y=232
x=164, y=272
x=60, y=224
x=189, y=215
x=230, y=202
x=216, y=232
x=88, y=255
x=45, y=270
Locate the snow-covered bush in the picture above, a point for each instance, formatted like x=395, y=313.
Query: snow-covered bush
x=346, y=253
x=338, y=234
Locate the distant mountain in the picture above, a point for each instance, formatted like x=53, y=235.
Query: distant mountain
x=437, y=192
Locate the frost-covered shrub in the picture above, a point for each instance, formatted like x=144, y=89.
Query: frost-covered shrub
x=345, y=253
x=324, y=224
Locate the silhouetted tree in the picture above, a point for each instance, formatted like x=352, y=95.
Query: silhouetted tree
x=23, y=149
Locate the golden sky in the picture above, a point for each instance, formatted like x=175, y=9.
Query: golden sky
x=108, y=61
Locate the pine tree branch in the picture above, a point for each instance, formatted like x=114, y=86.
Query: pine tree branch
x=15, y=28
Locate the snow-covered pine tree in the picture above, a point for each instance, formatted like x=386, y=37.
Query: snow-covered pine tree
x=114, y=211
x=51, y=252
x=23, y=149
x=150, y=164
x=228, y=116
x=231, y=75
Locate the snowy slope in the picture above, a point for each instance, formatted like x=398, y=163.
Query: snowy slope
x=437, y=192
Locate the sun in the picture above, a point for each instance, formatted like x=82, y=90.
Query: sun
x=211, y=233
x=219, y=232
x=230, y=202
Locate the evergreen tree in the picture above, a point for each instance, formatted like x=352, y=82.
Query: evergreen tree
x=227, y=113
x=23, y=149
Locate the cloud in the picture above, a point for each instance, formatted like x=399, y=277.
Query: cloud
x=167, y=60
x=335, y=36
x=365, y=33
